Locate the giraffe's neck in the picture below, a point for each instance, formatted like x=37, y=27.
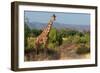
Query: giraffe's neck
x=47, y=29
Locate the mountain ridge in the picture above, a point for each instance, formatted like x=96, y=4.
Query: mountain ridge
x=39, y=25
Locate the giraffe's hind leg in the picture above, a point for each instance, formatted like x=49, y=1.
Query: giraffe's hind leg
x=36, y=49
x=45, y=48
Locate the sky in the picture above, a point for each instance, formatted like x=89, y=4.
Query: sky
x=66, y=18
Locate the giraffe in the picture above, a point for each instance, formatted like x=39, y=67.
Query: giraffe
x=43, y=37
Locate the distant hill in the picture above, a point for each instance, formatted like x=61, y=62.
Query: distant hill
x=38, y=25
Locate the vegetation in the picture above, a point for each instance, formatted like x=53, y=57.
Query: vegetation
x=26, y=34
x=58, y=38
x=55, y=38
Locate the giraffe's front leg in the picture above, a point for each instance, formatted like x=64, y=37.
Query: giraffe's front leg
x=45, y=48
x=46, y=43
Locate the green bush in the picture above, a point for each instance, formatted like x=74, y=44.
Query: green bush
x=55, y=38
x=26, y=33
x=51, y=45
x=83, y=49
x=30, y=42
x=36, y=32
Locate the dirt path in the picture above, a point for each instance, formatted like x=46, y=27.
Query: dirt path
x=68, y=51
x=65, y=51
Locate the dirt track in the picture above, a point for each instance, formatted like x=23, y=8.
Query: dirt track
x=65, y=52
x=69, y=52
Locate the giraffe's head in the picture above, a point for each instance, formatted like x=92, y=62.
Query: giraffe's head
x=54, y=17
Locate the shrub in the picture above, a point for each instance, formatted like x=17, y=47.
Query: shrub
x=51, y=45
x=83, y=49
x=36, y=32
x=30, y=42
x=26, y=34
x=55, y=38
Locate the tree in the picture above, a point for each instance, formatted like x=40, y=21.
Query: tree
x=36, y=32
x=63, y=32
x=53, y=35
x=55, y=38
x=26, y=33
x=59, y=38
